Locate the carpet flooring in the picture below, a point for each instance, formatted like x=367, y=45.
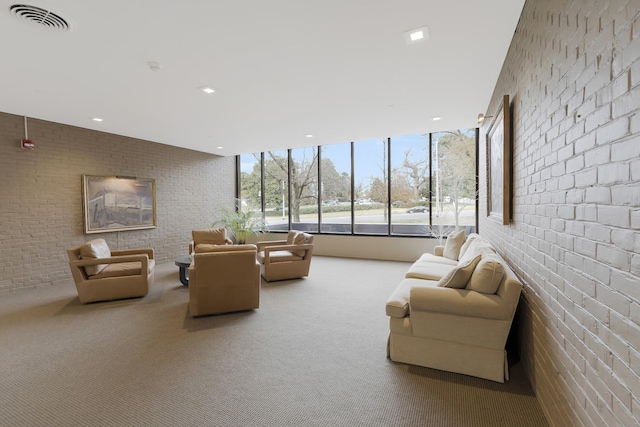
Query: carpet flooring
x=313, y=354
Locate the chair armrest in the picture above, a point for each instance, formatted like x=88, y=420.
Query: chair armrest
x=438, y=250
x=459, y=302
x=269, y=249
x=142, y=251
x=266, y=243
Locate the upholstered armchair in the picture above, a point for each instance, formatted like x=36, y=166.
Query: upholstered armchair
x=286, y=259
x=223, y=279
x=210, y=236
x=101, y=274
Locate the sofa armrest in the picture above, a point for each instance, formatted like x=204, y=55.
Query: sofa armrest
x=438, y=250
x=144, y=251
x=459, y=302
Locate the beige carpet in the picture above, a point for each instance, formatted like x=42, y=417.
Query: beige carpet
x=313, y=354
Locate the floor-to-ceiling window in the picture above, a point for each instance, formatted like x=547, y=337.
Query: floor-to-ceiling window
x=410, y=185
x=335, y=191
x=370, y=173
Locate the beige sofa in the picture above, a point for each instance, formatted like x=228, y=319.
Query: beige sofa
x=101, y=274
x=454, y=312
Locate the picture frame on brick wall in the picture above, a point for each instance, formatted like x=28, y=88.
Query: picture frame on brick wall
x=112, y=203
x=499, y=164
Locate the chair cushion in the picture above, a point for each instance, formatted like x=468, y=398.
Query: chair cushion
x=278, y=256
x=123, y=269
x=454, y=242
x=460, y=275
x=96, y=248
x=487, y=276
x=212, y=236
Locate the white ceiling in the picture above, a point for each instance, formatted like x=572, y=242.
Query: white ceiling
x=337, y=69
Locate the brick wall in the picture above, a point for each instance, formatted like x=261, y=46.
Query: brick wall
x=573, y=75
x=41, y=196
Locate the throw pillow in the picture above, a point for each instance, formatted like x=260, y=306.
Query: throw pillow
x=96, y=248
x=454, y=242
x=487, y=276
x=459, y=276
x=291, y=236
x=299, y=239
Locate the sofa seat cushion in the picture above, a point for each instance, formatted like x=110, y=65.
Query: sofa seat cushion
x=398, y=302
x=94, y=249
x=121, y=269
x=278, y=256
x=429, y=270
x=437, y=259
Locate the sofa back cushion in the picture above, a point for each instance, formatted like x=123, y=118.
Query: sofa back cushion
x=93, y=249
x=454, y=242
x=478, y=246
x=460, y=275
x=487, y=276
x=211, y=236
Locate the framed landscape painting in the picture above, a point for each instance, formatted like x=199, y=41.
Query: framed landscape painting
x=499, y=164
x=113, y=203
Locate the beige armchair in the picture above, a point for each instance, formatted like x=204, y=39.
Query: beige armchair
x=208, y=237
x=286, y=259
x=223, y=279
x=103, y=275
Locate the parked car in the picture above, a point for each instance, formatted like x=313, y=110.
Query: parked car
x=417, y=209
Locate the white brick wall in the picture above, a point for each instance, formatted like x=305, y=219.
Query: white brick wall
x=573, y=76
x=41, y=196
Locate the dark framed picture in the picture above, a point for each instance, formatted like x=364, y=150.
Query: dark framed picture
x=499, y=164
x=113, y=203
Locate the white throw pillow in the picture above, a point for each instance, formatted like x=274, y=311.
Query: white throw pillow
x=487, y=276
x=459, y=276
x=454, y=242
x=96, y=248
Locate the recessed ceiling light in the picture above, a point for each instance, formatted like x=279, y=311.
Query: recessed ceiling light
x=417, y=35
x=206, y=89
x=435, y=119
x=97, y=119
x=309, y=135
x=220, y=148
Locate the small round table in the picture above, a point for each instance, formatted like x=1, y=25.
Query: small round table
x=184, y=262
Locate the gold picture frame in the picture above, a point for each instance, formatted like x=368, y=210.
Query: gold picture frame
x=499, y=164
x=112, y=203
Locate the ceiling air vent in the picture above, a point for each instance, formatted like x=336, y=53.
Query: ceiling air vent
x=42, y=17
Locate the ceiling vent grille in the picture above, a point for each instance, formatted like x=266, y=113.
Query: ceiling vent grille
x=43, y=18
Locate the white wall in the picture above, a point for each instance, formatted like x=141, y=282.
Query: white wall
x=573, y=75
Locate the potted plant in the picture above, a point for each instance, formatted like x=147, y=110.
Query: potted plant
x=241, y=222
